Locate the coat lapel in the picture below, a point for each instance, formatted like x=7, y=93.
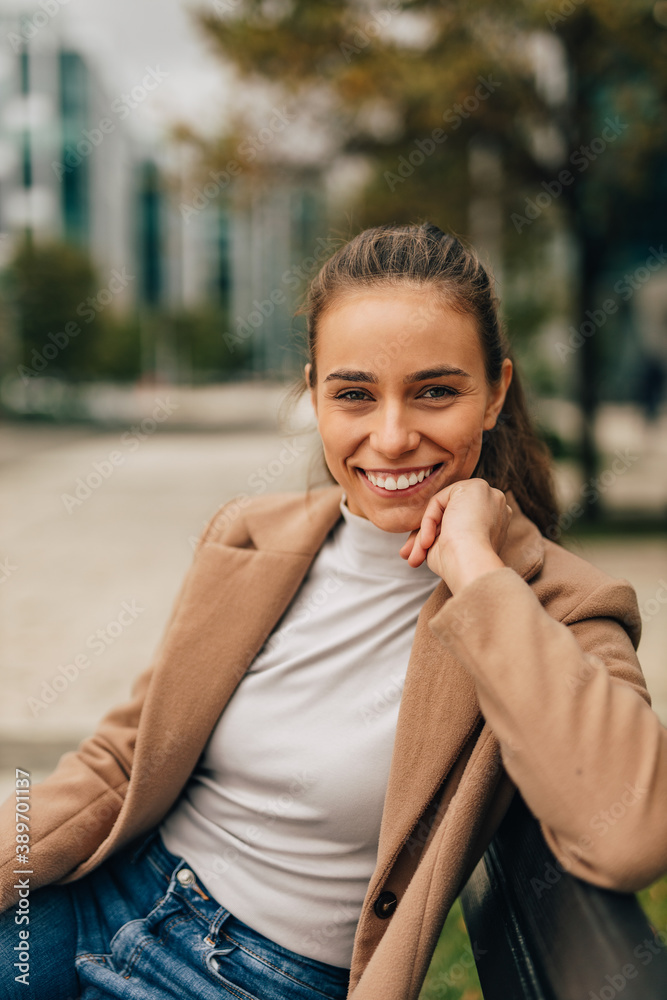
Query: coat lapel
x=233, y=596
x=439, y=708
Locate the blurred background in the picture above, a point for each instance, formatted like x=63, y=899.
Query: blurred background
x=173, y=174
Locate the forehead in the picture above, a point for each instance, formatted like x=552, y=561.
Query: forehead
x=393, y=329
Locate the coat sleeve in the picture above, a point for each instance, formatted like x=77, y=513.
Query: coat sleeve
x=90, y=780
x=568, y=702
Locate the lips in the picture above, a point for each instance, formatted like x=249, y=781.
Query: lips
x=399, y=480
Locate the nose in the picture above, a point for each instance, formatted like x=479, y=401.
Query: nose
x=392, y=434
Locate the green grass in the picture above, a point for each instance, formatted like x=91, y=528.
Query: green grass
x=452, y=974
x=654, y=904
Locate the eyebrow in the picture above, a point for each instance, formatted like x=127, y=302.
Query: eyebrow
x=440, y=371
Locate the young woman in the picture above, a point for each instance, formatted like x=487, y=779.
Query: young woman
x=353, y=684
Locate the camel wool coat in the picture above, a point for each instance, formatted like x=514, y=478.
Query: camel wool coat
x=526, y=679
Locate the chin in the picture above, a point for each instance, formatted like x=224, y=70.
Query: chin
x=399, y=521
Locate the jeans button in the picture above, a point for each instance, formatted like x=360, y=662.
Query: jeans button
x=186, y=877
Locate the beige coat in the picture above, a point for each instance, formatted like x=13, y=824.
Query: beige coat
x=545, y=648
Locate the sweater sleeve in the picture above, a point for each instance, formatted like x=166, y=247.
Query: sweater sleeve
x=89, y=782
x=569, y=705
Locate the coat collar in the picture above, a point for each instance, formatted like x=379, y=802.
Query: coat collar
x=306, y=525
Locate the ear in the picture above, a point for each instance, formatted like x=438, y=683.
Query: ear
x=497, y=396
x=313, y=392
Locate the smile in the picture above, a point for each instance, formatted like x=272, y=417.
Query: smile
x=404, y=481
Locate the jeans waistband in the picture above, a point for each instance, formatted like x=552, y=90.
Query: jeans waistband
x=153, y=846
x=221, y=921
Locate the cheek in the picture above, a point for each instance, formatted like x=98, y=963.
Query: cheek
x=339, y=426
x=474, y=446
x=463, y=429
x=338, y=436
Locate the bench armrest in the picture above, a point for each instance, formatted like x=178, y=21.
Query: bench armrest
x=542, y=934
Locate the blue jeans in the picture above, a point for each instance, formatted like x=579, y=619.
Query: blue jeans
x=142, y=927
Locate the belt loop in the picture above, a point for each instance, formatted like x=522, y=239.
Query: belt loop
x=143, y=845
x=216, y=923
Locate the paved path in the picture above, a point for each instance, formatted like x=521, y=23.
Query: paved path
x=73, y=567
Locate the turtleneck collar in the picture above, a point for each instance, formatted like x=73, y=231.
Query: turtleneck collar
x=366, y=547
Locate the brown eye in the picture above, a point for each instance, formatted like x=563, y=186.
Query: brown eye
x=442, y=392
x=350, y=394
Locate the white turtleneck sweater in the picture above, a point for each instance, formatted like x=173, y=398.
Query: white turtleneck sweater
x=281, y=817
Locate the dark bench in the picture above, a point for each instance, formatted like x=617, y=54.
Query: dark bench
x=538, y=933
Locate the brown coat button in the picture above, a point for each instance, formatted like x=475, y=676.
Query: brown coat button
x=385, y=904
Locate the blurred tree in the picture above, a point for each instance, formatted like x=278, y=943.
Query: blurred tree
x=64, y=316
x=504, y=121
x=67, y=327
x=117, y=349
x=52, y=286
x=196, y=335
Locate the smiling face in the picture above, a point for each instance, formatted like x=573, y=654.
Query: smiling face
x=401, y=400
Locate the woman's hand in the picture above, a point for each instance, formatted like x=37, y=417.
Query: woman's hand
x=462, y=531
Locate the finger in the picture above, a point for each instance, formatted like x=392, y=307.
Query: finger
x=418, y=554
x=429, y=525
x=432, y=516
x=407, y=546
x=412, y=551
x=422, y=538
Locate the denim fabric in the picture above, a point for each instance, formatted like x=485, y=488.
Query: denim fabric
x=132, y=930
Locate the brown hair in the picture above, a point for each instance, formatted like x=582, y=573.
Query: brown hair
x=512, y=457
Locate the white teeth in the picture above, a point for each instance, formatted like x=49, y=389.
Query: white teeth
x=389, y=483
